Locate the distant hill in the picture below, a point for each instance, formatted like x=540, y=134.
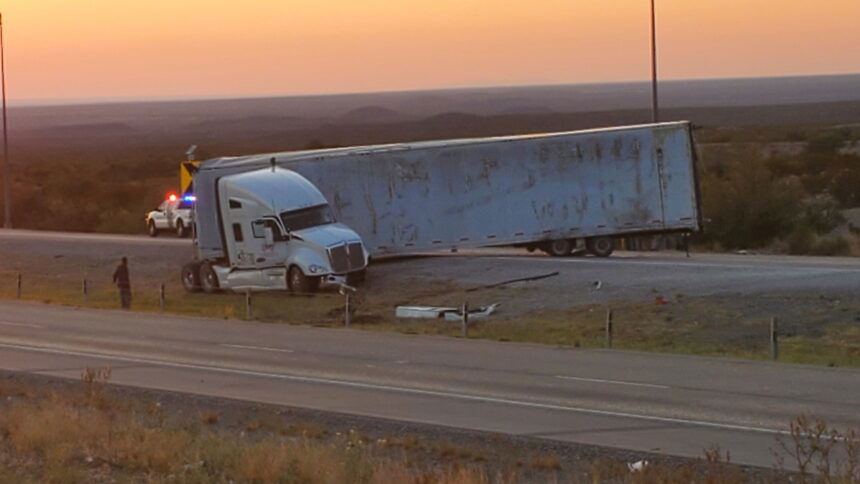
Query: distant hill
x=374, y=114
x=398, y=106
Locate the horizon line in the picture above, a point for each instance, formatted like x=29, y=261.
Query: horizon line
x=59, y=102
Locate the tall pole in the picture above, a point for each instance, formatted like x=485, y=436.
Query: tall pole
x=655, y=108
x=7, y=199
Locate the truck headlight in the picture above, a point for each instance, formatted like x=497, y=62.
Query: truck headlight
x=315, y=268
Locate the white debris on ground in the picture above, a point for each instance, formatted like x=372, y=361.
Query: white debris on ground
x=446, y=313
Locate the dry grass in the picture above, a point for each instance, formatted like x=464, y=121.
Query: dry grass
x=69, y=436
x=85, y=436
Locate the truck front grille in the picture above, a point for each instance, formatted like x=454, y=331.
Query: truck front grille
x=339, y=259
x=356, y=255
x=346, y=258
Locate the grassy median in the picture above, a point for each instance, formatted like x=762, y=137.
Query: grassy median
x=813, y=328
x=59, y=431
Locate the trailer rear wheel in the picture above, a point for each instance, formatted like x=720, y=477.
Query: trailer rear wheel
x=208, y=279
x=600, y=246
x=299, y=282
x=191, y=277
x=559, y=248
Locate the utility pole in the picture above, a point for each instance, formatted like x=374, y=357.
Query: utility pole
x=655, y=108
x=7, y=198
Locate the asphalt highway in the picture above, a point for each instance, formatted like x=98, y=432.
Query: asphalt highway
x=675, y=405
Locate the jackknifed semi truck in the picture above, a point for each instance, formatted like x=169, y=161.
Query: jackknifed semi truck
x=295, y=220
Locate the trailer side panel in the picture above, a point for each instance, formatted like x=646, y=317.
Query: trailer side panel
x=501, y=191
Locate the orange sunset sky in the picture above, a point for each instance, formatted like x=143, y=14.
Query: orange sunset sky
x=102, y=49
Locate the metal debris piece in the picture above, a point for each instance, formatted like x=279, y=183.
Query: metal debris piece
x=477, y=313
x=446, y=313
x=422, y=312
x=512, y=281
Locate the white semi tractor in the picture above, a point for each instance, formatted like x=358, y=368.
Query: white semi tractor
x=294, y=220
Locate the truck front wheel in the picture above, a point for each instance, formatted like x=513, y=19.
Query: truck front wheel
x=191, y=277
x=600, y=246
x=153, y=232
x=299, y=282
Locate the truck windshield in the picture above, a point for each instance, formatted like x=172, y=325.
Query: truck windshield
x=307, y=217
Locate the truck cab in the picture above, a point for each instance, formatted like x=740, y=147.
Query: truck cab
x=278, y=232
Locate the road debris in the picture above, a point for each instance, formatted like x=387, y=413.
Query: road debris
x=513, y=281
x=638, y=466
x=446, y=313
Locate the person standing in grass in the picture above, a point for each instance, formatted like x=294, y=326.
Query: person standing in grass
x=120, y=278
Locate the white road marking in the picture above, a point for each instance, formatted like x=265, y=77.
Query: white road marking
x=23, y=325
x=405, y=390
x=612, y=382
x=260, y=348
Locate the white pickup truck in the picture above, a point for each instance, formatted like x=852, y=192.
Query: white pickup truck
x=174, y=214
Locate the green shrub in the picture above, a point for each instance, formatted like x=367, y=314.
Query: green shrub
x=749, y=207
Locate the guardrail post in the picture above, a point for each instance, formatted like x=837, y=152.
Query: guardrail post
x=249, y=314
x=19, y=286
x=609, y=328
x=85, y=291
x=161, y=298
x=774, y=338
x=465, y=319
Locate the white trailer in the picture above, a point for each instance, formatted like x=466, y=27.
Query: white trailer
x=546, y=191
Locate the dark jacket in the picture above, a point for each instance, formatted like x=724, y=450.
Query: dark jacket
x=120, y=276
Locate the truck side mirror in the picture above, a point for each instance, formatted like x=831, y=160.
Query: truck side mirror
x=269, y=236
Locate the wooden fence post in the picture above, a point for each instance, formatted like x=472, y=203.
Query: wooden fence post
x=774, y=338
x=346, y=316
x=161, y=298
x=84, y=288
x=609, y=328
x=249, y=314
x=465, y=320
x=19, y=285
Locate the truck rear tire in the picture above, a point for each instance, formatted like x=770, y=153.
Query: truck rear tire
x=208, y=278
x=600, y=246
x=151, y=230
x=181, y=230
x=298, y=282
x=559, y=248
x=191, y=277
